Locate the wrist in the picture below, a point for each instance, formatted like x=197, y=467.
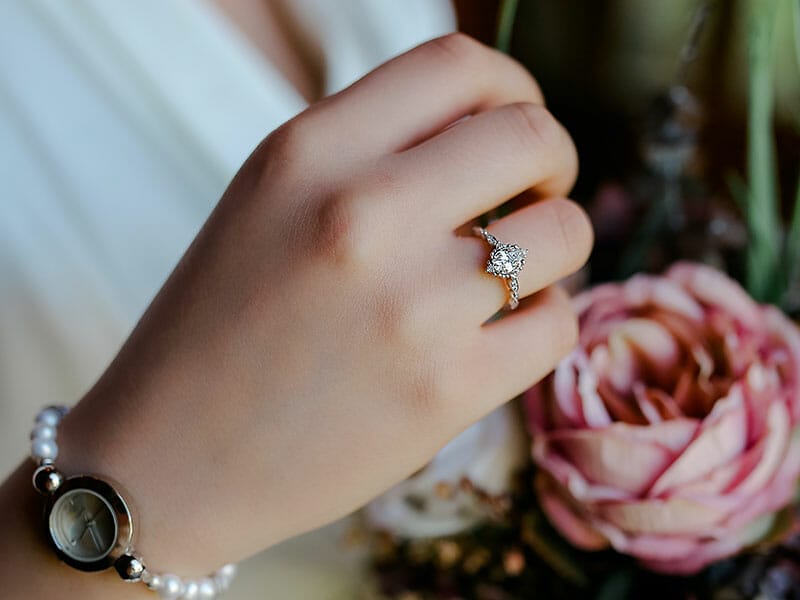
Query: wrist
x=104, y=435
x=29, y=568
x=91, y=526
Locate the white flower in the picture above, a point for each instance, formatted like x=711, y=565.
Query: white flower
x=487, y=454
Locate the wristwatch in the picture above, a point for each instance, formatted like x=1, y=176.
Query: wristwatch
x=90, y=526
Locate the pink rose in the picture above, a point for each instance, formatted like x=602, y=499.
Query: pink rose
x=670, y=432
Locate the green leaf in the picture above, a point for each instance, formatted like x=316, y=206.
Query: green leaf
x=792, y=255
x=763, y=217
x=617, y=586
x=797, y=31
x=506, y=15
x=550, y=551
x=739, y=191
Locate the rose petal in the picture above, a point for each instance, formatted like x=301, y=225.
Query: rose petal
x=711, y=550
x=651, y=341
x=569, y=476
x=594, y=411
x=702, y=555
x=536, y=402
x=601, y=454
x=777, y=438
x=674, y=516
x=564, y=515
x=661, y=402
x=646, y=404
x=673, y=434
x=620, y=408
x=714, y=288
x=565, y=391
x=608, y=292
x=775, y=495
x=723, y=478
x=785, y=356
x=653, y=547
x=722, y=437
x=658, y=292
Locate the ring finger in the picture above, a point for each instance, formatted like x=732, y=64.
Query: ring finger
x=558, y=236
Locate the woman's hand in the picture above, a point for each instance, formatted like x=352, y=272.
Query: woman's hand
x=325, y=334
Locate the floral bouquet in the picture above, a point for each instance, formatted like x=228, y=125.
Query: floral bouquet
x=661, y=458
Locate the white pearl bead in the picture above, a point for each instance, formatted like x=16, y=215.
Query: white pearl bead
x=43, y=432
x=224, y=576
x=206, y=589
x=222, y=583
x=44, y=449
x=228, y=570
x=49, y=416
x=155, y=583
x=191, y=591
x=171, y=588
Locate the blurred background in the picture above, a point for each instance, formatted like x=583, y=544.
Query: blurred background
x=122, y=122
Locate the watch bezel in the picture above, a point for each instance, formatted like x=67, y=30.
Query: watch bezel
x=120, y=508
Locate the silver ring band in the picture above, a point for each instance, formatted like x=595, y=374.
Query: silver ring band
x=506, y=262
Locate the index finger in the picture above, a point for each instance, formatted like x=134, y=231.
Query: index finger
x=417, y=94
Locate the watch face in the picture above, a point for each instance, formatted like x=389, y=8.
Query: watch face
x=83, y=525
x=89, y=523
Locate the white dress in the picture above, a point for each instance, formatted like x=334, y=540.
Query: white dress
x=121, y=123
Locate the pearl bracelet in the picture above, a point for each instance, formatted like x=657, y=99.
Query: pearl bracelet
x=90, y=525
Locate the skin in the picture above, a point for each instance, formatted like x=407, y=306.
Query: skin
x=325, y=334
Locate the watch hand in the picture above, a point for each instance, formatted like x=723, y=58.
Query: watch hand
x=93, y=533
x=93, y=518
x=77, y=531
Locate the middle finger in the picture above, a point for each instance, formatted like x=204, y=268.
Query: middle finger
x=483, y=161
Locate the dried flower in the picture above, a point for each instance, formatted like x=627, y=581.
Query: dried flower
x=463, y=485
x=669, y=433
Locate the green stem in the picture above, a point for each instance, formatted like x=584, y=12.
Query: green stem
x=792, y=257
x=763, y=216
x=505, y=24
x=796, y=13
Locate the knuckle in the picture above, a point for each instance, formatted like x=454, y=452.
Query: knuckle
x=454, y=48
x=338, y=231
x=351, y=221
x=534, y=126
x=430, y=396
x=348, y=230
x=482, y=67
x=402, y=322
x=574, y=230
x=289, y=142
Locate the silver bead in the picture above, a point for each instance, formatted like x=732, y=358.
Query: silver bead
x=47, y=479
x=206, y=589
x=190, y=591
x=171, y=588
x=130, y=568
x=43, y=431
x=44, y=449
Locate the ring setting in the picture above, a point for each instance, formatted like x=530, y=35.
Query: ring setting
x=506, y=262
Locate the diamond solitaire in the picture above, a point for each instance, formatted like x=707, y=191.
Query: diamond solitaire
x=505, y=261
